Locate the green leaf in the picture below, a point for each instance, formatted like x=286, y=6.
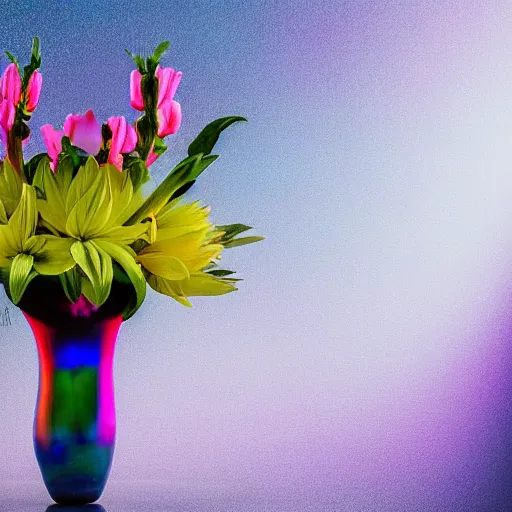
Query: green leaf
x=205, y=162
x=77, y=155
x=242, y=241
x=198, y=169
x=158, y=199
x=209, y=135
x=231, y=230
x=160, y=50
x=119, y=273
x=210, y=265
x=30, y=167
x=35, y=58
x=230, y=280
x=220, y=273
x=159, y=146
x=182, y=190
x=13, y=59
x=126, y=258
x=139, y=61
x=97, y=266
x=20, y=275
x=71, y=283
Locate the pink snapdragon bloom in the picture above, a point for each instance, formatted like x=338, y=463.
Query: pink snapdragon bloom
x=10, y=95
x=52, y=139
x=11, y=85
x=152, y=156
x=124, y=140
x=169, y=118
x=168, y=110
x=34, y=86
x=136, y=99
x=168, y=81
x=84, y=131
x=7, y=115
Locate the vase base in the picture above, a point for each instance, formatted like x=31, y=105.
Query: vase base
x=75, y=490
x=73, y=508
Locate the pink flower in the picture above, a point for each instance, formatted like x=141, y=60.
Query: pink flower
x=11, y=84
x=169, y=118
x=124, y=139
x=10, y=95
x=7, y=114
x=152, y=156
x=136, y=100
x=84, y=131
x=168, y=110
x=52, y=139
x=168, y=81
x=34, y=90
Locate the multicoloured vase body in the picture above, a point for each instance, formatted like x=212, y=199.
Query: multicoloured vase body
x=75, y=423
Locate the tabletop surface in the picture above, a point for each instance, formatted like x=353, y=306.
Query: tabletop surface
x=31, y=496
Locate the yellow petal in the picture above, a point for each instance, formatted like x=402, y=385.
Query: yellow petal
x=24, y=219
x=54, y=257
x=201, y=283
x=170, y=288
x=164, y=266
x=188, y=248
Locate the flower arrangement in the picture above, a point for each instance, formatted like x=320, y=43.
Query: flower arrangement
x=77, y=213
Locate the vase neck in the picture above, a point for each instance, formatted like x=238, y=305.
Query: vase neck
x=79, y=342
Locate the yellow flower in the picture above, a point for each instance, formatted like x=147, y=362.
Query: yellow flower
x=89, y=210
x=182, y=249
x=26, y=254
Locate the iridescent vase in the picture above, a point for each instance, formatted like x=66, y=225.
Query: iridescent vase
x=75, y=423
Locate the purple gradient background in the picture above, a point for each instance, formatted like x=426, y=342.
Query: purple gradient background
x=365, y=362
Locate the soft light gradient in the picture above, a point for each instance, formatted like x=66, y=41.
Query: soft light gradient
x=366, y=362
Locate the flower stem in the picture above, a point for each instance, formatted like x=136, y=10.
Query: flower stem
x=14, y=148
